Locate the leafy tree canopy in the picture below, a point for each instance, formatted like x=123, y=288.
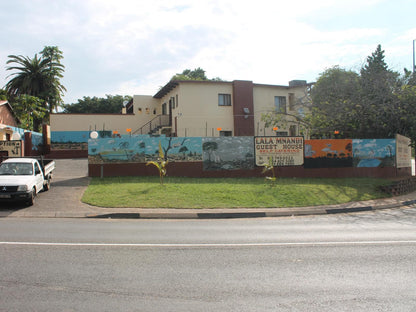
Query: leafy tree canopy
x=38, y=77
x=3, y=95
x=196, y=74
x=112, y=104
x=28, y=109
x=375, y=103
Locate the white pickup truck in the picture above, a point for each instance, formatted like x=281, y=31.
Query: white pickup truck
x=21, y=179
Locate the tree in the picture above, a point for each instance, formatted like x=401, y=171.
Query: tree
x=378, y=100
x=39, y=77
x=3, y=95
x=335, y=102
x=196, y=74
x=112, y=104
x=28, y=109
x=209, y=147
x=183, y=150
x=283, y=119
x=364, y=105
x=409, y=78
x=55, y=90
x=407, y=98
x=187, y=74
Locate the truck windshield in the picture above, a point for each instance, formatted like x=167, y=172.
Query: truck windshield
x=16, y=169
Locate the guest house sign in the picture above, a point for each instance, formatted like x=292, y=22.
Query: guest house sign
x=11, y=148
x=403, y=152
x=283, y=151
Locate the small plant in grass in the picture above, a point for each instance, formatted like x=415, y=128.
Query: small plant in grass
x=269, y=167
x=160, y=164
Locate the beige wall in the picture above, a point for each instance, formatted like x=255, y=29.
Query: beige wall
x=264, y=103
x=196, y=111
x=90, y=122
x=145, y=108
x=5, y=131
x=113, y=122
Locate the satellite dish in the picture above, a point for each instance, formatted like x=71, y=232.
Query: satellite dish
x=125, y=102
x=16, y=136
x=94, y=135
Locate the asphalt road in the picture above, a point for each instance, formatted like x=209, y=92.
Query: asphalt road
x=359, y=262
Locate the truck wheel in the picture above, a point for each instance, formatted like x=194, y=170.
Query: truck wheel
x=31, y=199
x=47, y=184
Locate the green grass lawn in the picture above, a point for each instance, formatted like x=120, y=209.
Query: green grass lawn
x=146, y=192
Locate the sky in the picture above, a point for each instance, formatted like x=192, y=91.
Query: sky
x=133, y=47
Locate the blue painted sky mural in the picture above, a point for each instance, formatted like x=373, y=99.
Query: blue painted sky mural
x=374, y=152
x=224, y=153
x=143, y=148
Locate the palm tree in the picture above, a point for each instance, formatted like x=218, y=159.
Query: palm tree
x=54, y=55
x=37, y=77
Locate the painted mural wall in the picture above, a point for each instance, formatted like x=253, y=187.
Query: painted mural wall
x=328, y=153
x=230, y=153
x=76, y=140
x=19, y=136
x=374, y=152
x=143, y=148
x=37, y=141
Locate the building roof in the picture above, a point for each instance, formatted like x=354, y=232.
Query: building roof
x=7, y=104
x=174, y=83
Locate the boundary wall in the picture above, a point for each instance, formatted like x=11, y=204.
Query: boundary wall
x=239, y=157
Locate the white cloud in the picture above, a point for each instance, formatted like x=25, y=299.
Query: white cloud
x=130, y=46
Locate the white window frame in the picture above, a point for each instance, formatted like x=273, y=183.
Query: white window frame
x=224, y=99
x=280, y=104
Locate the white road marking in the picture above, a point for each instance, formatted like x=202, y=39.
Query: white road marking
x=202, y=245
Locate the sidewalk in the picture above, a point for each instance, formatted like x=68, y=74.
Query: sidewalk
x=86, y=211
x=63, y=200
x=136, y=213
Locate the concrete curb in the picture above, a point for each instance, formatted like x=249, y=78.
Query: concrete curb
x=239, y=213
x=70, y=181
x=90, y=212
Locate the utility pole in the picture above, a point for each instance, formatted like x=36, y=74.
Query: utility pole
x=414, y=56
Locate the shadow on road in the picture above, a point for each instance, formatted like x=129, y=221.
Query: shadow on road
x=7, y=208
x=84, y=181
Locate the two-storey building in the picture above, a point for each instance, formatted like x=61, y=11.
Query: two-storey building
x=190, y=108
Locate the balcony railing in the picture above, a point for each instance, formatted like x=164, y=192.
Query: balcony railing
x=154, y=125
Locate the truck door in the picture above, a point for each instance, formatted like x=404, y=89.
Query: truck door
x=38, y=178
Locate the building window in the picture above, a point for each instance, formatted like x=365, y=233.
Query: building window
x=292, y=130
x=226, y=133
x=164, y=109
x=280, y=104
x=291, y=101
x=224, y=99
x=177, y=102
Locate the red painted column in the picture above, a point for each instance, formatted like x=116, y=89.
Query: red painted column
x=28, y=144
x=243, y=108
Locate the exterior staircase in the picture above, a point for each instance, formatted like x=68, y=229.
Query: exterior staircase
x=154, y=125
